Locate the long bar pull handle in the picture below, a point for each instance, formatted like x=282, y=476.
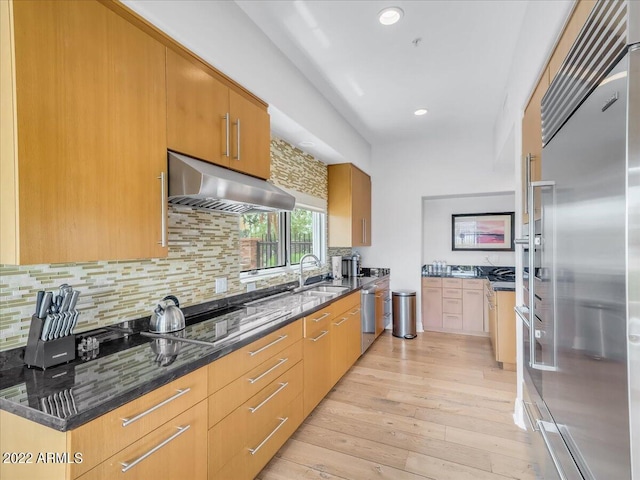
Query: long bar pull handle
x=262, y=403
x=527, y=173
x=521, y=241
x=534, y=425
x=357, y=310
x=281, y=362
x=547, y=444
x=128, y=465
x=237, y=124
x=324, y=315
x=364, y=233
x=324, y=332
x=129, y=421
x=342, y=320
x=253, y=451
x=226, y=126
x=279, y=339
x=163, y=211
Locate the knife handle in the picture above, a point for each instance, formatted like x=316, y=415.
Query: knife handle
x=39, y=299
x=74, y=300
x=44, y=336
x=45, y=305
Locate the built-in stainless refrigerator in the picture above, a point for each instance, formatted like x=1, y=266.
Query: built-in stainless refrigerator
x=581, y=323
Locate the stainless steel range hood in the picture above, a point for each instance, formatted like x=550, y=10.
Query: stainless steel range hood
x=197, y=184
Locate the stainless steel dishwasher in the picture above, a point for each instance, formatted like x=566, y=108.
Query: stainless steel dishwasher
x=368, y=310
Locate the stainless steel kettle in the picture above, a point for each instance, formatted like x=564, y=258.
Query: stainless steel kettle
x=167, y=316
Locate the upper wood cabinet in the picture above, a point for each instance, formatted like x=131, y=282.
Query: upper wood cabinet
x=197, y=111
x=349, y=206
x=210, y=121
x=83, y=140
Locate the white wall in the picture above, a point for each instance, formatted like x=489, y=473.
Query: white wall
x=222, y=34
x=436, y=228
x=443, y=163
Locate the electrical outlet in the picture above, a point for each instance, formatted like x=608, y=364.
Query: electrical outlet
x=251, y=286
x=221, y=285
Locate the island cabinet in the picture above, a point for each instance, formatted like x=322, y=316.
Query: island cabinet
x=502, y=327
x=349, y=206
x=213, y=122
x=83, y=137
x=255, y=403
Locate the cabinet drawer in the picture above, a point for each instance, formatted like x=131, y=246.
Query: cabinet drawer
x=177, y=449
x=110, y=433
x=250, y=423
x=452, y=283
x=472, y=284
x=452, y=292
x=347, y=303
x=228, y=398
x=228, y=368
x=451, y=305
x=245, y=465
x=452, y=321
x=319, y=321
x=431, y=282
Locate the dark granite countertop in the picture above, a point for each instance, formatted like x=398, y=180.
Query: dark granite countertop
x=498, y=282
x=69, y=395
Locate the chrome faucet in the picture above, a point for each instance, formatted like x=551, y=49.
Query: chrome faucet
x=302, y=261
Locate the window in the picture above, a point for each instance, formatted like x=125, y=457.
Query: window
x=269, y=240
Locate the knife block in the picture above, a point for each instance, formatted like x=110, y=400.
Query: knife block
x=41, y=354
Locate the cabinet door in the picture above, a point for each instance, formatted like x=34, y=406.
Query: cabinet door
x=360, y=208
x=250, y=138
x=317, y=367
x=197, y=112
x=493, y=326
x=431, y=307
x=177, y=449
x=532, y=144
x=506, y=328
x=91, y=123
x=346, y=344
x=472, y=310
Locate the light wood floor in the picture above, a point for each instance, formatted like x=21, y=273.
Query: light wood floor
x=434, y=407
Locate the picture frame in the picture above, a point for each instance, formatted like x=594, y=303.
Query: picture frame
x=491, y=232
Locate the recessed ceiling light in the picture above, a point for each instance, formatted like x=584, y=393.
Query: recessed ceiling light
x=390, y=15
x=306, y=143
x=420, y=111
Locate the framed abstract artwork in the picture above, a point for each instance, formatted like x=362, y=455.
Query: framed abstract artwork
x=483, y=231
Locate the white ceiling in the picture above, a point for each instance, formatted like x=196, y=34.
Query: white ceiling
x=376, y=77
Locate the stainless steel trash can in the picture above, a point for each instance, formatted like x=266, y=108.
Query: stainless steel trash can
x=404, y=314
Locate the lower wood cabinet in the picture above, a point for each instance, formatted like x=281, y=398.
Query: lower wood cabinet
x=502, y=327
x=317, y=363
x=346, y=343
x=177, y=449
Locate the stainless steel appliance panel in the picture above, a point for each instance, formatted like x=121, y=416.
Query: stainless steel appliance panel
x=368, y=316
x=586, y=232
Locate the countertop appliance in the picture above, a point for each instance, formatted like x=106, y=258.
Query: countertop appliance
x=167, y=316
x=582, y=323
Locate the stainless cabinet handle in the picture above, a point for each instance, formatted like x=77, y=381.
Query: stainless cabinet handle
x=237, y=124
x=357, y=310
x=226, y=126
x=527, y=173
x=129, y=421
x=253, y=451
x=163, y=212
x=551, y=451
x=344, y=319
x=126, y=466
x=324, y=332
x=534, y=425
x=473, y=292
x=279, y=339
x=364, y=231
x=281, y=362
x=262, y=403
x=324, y=315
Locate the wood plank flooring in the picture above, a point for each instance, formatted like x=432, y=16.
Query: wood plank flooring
x=435, y=407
